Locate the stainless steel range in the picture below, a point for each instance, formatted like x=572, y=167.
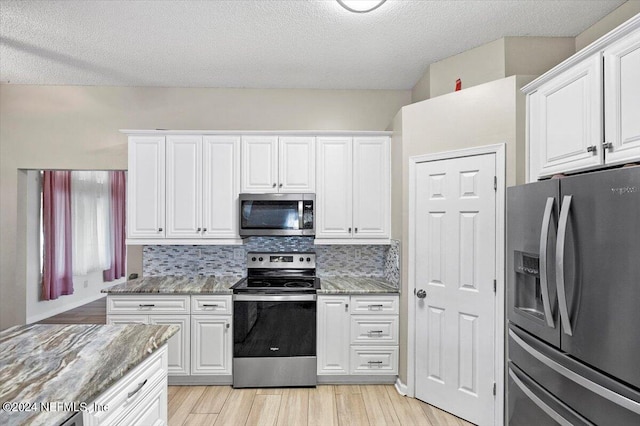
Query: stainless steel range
x=274, y=321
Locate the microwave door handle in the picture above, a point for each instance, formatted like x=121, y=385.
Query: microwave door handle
x=300, y=214
x=562, y=295
x=544, y=239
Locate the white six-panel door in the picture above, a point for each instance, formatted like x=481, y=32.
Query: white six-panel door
x=455, y=216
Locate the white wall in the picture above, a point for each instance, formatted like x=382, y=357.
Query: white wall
x=623, y=13
x=76, y=127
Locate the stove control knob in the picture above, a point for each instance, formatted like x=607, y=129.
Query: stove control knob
x=253, y=259
x=260, y=259
x=302, y=259
x=308, y=259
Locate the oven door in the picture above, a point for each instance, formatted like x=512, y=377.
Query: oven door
x=273, y=325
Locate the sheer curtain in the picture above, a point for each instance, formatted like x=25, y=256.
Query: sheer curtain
x=117, y=185
x=57, y=277
x=91, y=212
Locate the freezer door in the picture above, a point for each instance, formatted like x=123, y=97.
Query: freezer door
x=598, y=268
x=531, y=405
x=596, y=397
x=532, y=212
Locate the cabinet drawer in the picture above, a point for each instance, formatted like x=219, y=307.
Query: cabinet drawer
x=374, y=360
x=125, y=394
x=370, y=329
x=374, y=305
x=211, y=304
x=148, y=304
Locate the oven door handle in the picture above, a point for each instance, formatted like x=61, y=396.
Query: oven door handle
x=274, y=297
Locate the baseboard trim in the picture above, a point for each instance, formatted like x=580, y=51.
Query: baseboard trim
x=356, y=380
x=401, y=387
x=200, y=380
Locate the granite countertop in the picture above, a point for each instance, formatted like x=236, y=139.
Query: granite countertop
x=68, y=363
x=355, y=285
x=176, y=285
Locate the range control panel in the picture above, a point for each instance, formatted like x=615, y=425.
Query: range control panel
x=289, y=260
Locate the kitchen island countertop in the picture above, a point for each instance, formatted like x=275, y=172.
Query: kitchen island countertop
x=176, y=285
x=42, y=364
x=355, y=285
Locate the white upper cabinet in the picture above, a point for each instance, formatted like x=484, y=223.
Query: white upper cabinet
x=353, y=196
x=272, y=164
x=583, y=114
x=145, y=187
x=297, y=165
x=259, y=164
x=371, y=187
x=622, y=100
x=569, y=121
x=220, y=186
x=184, y=186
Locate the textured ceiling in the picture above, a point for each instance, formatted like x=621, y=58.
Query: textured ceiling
x=262, y=44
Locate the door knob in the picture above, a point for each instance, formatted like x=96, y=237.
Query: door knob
x=421, y=294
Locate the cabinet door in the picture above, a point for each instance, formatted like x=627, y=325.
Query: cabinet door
x=622, y=100
x=211, y=350
x=179, y=344
x=221, y=185
x=297, y=164
x=184, y=186
x=569, y=122
x=371, y=187
x=145, y=187
x=259, y=164
x=334, y=194
x=152, y=410
x=333, y=335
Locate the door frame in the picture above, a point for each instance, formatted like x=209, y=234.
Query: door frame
x=500, y=154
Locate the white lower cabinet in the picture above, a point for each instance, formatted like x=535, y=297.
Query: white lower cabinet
x=212, y=345
x=179, y=344
x=357, y=335
x=139, y=398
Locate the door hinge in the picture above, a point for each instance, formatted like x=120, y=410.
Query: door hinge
x=495, y=183
x=494, y=388
x=495, y=285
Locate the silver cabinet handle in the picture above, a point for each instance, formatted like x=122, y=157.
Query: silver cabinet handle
x=355, y=230
x=204, y=229
x=592, y=149
x=280, y=185
x=346, y=307
x=375, y=307
x=274, y=185
x=228, y=325
x=374, y=332
x=421, y=294
x=159, y=229
x=349, y=230
x=544, y=239
x=374, y=362
x=199, y=229
x=210, y=305
x=562, y=295
x=136, y=390
x=607, y=145
x=147, y=305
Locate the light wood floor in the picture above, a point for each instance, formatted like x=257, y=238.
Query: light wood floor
x=325, y=405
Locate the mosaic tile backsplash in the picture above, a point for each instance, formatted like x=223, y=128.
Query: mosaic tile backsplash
x=332, y=260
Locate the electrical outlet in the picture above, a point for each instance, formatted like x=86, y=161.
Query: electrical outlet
x=357, y=254
x=238, y=254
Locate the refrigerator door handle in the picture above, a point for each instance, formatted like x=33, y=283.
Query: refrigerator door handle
x=539, y=402
x=612, y=396
x=544, y=239
x=562, y=295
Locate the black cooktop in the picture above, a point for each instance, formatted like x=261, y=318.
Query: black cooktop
x=277, y=284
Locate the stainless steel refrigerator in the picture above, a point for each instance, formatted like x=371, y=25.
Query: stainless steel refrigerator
x=573, y=300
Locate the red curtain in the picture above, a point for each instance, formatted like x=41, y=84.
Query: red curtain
x=56, y=222
x=118, y=181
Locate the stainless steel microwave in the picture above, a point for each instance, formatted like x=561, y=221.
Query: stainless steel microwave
x=277, y=214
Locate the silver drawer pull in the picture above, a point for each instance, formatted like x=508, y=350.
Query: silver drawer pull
x=148, y=305
x=210, y=305
x=375, y=307
x=136, y=390
x=375, y=332
x=374, y=362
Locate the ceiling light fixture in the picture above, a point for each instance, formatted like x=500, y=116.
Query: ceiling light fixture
x=361, y=6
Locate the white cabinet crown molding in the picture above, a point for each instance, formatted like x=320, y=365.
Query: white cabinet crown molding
x=595, y=47
x=258, y=132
